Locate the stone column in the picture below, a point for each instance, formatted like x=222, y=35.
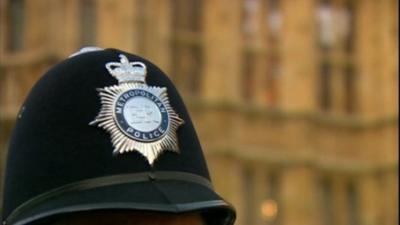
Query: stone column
x=299, y=197
x=368, y=64
x=368, y=200
x=389, y=193
x=388, y=35
x=339, y=201
x=227, y=176
x=222, y=50
x=298, y=79
x=260, y=192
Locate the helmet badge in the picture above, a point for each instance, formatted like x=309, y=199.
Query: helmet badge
x=137, y=116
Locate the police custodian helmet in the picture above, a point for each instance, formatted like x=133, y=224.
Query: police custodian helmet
x=106, y=130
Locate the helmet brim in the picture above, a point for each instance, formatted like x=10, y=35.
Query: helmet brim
x=165, y=196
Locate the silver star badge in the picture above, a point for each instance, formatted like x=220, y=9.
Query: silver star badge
x=138, y=117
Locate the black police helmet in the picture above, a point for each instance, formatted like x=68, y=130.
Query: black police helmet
x=59, y=162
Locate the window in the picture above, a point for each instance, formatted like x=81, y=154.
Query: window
x=261, y=30
x=349, y=83
x=335, y=22
x=88, y=22
x=325, y=100
x=274, y=26
x=274, y=21
x=187, y=15
x=325, y=25
x=187, y=50
x=273, y=74
x=248, y=76
x=250, y=29
x=187, y=68
x=16, y=23
x=250, y=24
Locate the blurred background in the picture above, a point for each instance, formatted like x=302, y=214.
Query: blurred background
x=295, y=102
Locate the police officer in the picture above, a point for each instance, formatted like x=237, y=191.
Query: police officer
x=105, y=138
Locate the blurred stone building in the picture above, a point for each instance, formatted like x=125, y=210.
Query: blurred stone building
x=295, y=101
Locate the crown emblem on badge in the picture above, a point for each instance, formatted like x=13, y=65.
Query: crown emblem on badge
x=137, y=116
x=126, y=71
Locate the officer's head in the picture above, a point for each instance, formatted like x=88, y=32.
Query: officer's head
x=104, y=136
